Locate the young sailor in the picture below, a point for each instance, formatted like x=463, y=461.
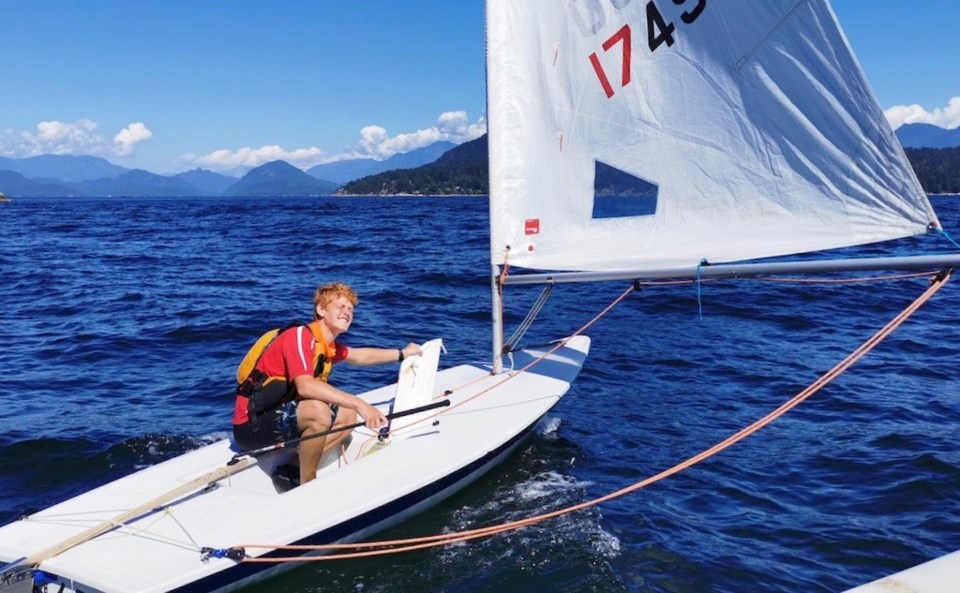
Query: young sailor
x=287, y=394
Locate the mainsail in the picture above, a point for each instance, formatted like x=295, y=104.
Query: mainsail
x=752, y=118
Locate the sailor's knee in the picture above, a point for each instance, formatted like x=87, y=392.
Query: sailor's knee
x=313, y=415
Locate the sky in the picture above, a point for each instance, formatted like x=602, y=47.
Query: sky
x=226, y=85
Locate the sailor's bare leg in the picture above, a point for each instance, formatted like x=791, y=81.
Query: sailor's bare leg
x=345, y=417
x=313, y=417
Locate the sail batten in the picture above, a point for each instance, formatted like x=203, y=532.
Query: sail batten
x=754, y=121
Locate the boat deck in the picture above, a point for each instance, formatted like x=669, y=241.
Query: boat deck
x=365, y=487
x=940, y=575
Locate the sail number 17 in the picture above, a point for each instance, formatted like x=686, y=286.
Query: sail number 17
x=659, y=31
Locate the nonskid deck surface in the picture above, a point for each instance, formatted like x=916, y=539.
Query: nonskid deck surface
x=160, y=551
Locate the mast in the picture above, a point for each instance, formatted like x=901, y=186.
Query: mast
x=496, y=313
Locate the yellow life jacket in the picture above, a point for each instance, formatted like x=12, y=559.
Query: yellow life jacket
x=323, y=353
x=265, y=392
x=253, y=355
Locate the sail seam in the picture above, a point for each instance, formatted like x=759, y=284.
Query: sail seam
x=746, y=57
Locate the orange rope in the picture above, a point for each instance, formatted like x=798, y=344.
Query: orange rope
x=411, y=544
x=560, y=344
x=606, y=310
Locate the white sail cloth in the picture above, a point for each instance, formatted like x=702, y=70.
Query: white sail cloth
x=756, y=124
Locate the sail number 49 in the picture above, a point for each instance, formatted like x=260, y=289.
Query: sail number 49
x=659, y=31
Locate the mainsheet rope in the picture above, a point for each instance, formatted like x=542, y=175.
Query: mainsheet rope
x=410, y=544
x=559, y=344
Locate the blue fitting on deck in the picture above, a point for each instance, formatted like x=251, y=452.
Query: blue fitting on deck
x=40, y=579
x=237, y=554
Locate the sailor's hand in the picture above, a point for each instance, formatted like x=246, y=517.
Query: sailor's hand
x=411, y=349
x=372, y=417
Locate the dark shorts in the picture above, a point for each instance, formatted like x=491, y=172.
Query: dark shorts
x=276, y=425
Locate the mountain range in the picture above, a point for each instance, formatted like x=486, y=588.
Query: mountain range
x=927, y=136
x=439, y=169
x=89, y=176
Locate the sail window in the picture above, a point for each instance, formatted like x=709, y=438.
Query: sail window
x=617, y=193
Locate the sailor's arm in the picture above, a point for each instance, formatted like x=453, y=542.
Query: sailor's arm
x=371, y=356
x=312, y=388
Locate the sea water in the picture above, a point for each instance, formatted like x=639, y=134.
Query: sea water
x=122, y=322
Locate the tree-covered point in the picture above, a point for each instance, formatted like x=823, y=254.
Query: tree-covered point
x=937, y=168
x=460, y=171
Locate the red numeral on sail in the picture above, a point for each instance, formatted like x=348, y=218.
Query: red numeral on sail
x=622, y=35
x=601, y=75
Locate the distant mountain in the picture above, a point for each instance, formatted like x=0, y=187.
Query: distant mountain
x=927, y=136
x=279, y=179
x=348, y=170
x=68, y=175
x=15, y=184
x=206, y=182
x=67, y=168
x=141, y=184
x=344, y=171
x=418, y=157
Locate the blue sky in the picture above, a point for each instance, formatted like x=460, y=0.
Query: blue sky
x=172, y=85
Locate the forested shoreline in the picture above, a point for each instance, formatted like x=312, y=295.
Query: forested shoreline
x=463, y=171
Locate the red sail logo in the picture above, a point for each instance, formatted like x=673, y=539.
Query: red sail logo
x=531, y=226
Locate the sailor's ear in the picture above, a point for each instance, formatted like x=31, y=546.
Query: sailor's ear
x=318, y=311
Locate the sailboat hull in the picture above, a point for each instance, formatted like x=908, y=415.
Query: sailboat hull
x=361, y=490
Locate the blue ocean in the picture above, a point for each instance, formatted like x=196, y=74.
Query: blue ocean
x=122, y=322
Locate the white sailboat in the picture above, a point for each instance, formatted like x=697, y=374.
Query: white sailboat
x=755, y=124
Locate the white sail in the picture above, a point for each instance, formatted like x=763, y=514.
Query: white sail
x=752, y=118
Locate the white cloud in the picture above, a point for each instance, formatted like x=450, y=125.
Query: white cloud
x=376, y=143
x=945, y=117
x=56, y=137
x=457, y=128
x=247, y=157
x=77, y=138
x=452, y=126
x=128, y=138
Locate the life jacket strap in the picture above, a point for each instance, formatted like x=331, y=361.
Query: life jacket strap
x=252, y=389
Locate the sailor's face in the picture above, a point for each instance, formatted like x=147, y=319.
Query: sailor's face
x=337, y=314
